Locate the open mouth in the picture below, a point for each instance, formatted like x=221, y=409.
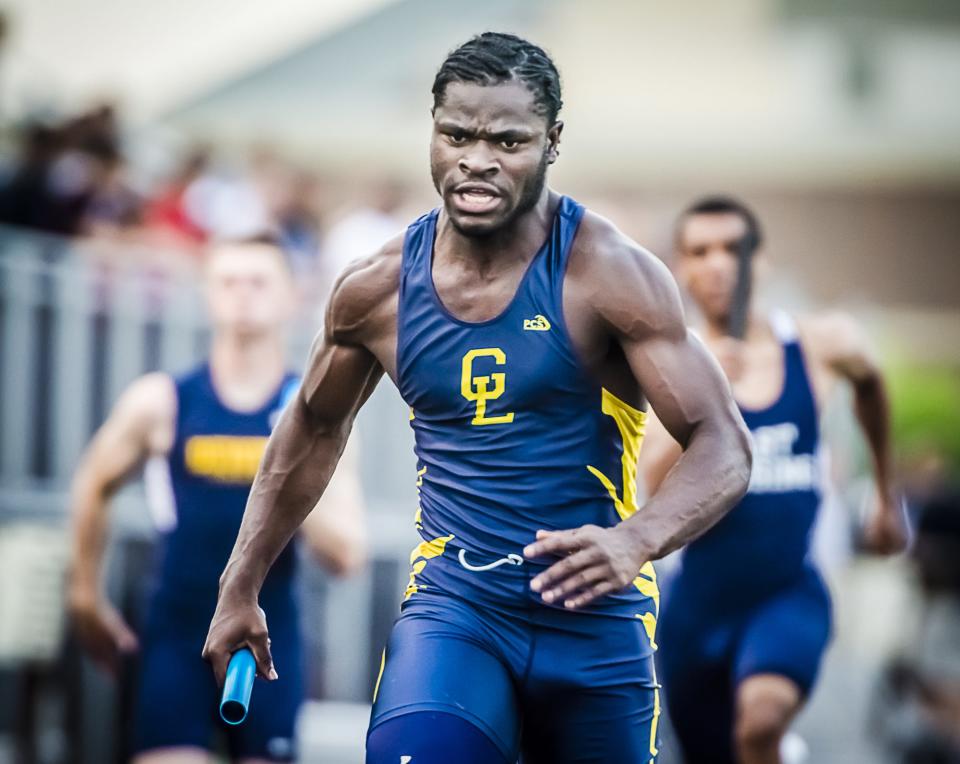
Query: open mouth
x=475, y=201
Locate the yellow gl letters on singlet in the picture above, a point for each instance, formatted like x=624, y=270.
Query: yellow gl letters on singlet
x=477, y=388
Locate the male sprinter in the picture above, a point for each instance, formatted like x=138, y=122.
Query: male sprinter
x=526, y=335
x=210, y=428
x=746, y=623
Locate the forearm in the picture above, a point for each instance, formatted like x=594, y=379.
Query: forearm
x=709, y=478
x=297, y=466
x=89, y=509
x=872, y=408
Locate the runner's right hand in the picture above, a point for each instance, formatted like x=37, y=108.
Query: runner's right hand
x=236, y=625
x=101, y=630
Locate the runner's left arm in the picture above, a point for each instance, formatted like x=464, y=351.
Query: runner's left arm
x=838, y=342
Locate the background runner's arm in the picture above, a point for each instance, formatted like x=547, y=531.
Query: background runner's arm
x=140, y=424
x=335, y=531
x=638, y=301
x=300, y=458
x=838, y=343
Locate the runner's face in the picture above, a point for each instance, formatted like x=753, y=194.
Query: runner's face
x=489, y=153
x=249, y=289
x=708, y=260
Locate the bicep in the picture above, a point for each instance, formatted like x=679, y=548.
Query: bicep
x=679, y=377
x=682, y=381
x=338, y=381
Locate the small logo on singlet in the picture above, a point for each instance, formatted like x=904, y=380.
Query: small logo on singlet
x=406, y=759
x=536, y=324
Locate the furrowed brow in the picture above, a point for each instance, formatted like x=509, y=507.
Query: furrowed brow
x=449, y=126
x=512, y=134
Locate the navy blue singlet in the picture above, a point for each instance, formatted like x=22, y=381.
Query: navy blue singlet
x=215, y=456
x=213, y=461
x=763, y=544
x=511, y=434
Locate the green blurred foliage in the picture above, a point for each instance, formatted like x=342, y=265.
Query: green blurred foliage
x=926, y=413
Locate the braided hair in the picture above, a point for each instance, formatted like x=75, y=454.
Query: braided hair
x=495, y=57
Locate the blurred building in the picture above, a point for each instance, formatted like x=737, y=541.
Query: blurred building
x=838, y=120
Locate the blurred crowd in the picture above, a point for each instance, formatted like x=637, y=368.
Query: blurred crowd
x=75, y=177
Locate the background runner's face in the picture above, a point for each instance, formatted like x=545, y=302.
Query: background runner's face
x=708, y=261
x=489, y=154
x=249, y=289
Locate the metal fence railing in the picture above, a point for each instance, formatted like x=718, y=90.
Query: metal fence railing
x=77, y=325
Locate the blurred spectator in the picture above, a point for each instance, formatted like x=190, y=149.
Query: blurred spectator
x=364, y=230
x=299, y=224
x=114, y=208
x=60, y=171
x=225, y=204
x=24, y=195
x=917, y=707
x=72, y=178
x=166, y=213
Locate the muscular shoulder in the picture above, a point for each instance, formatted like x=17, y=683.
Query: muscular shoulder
x=365, y=291
x=629, y=287
x=148, y=407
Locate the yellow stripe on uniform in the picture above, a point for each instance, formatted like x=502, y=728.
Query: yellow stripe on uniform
x=383, y=662
x=656, y=721
x=425, y=550
x=418, y=515
x=646, y=582
x=631, y=423
x=649, y=621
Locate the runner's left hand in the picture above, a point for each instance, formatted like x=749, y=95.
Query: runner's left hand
x=596, y=561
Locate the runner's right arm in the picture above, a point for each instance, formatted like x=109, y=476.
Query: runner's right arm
x=140, y=424
x=299, y=461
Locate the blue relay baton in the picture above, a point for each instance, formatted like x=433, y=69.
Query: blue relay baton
x=237, y=687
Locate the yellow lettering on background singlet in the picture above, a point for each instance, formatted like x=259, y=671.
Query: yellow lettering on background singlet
x=224, y=458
